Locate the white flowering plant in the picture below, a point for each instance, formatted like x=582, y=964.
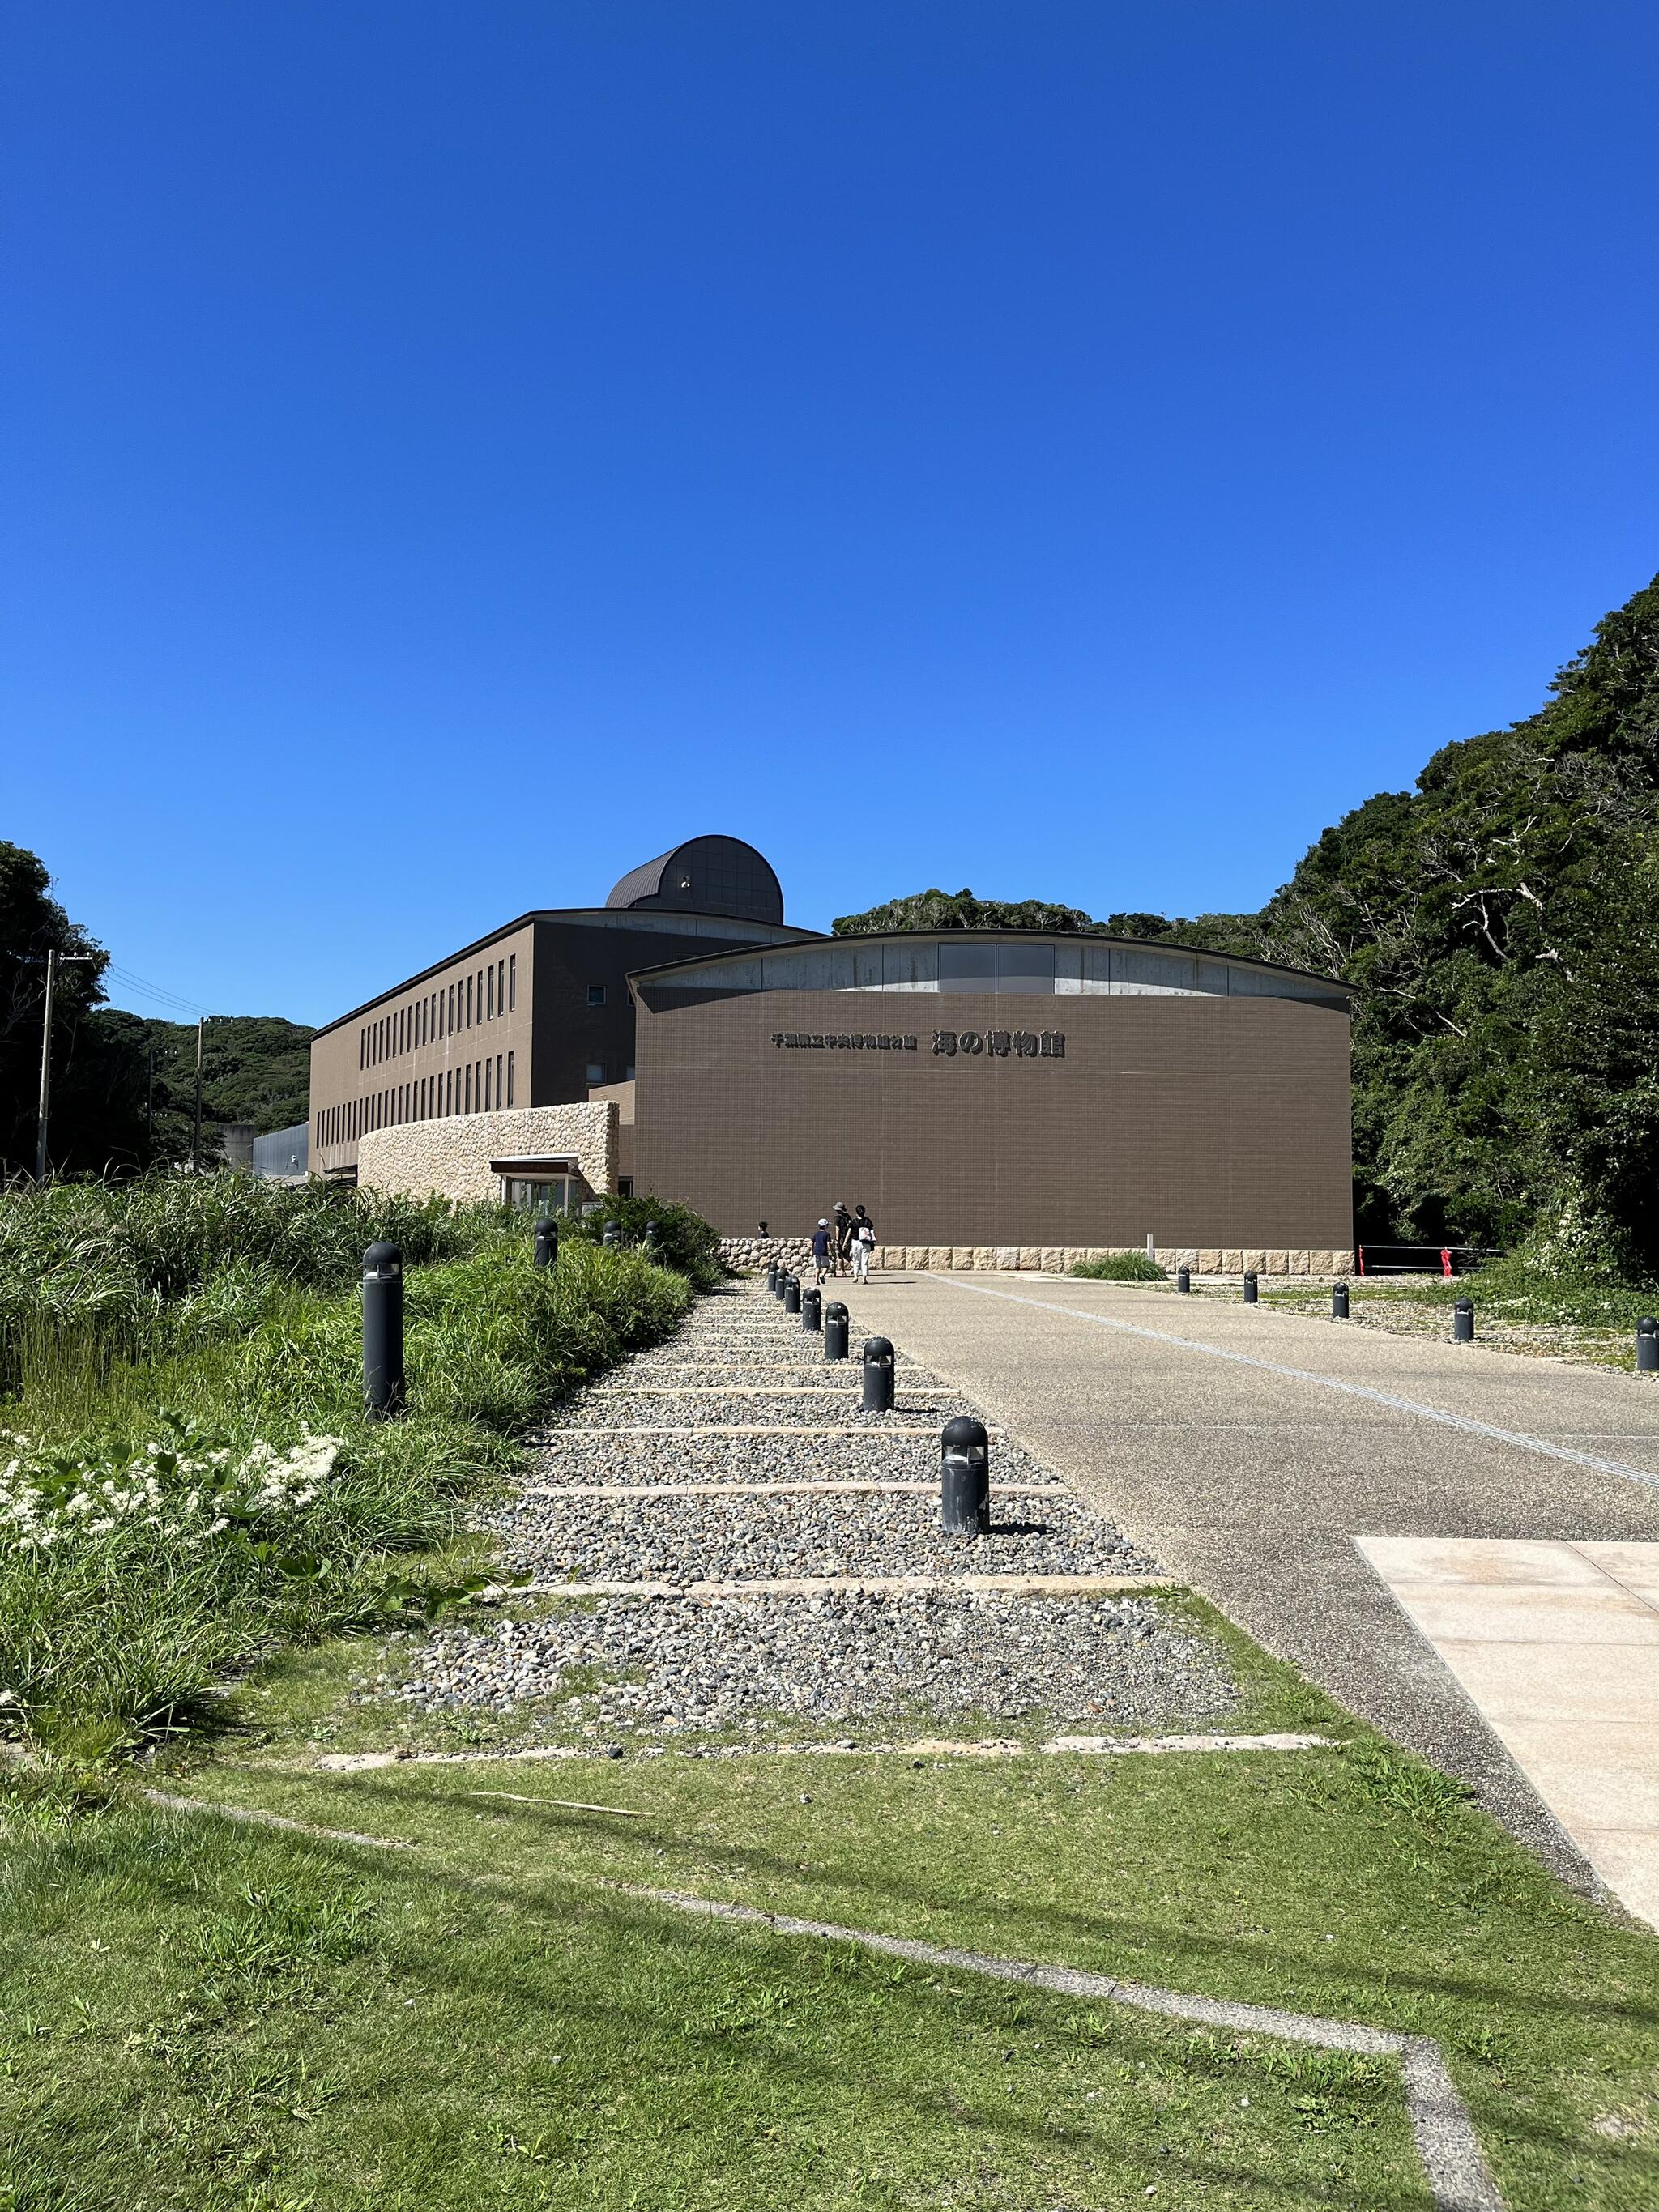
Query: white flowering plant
x=188, y=1486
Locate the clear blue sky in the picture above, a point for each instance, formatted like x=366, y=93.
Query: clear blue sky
x=1075, y=449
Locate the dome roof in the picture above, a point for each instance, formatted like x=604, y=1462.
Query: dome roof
x=705, y=875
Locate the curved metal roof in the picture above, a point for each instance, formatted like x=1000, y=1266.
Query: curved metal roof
x=710, y=874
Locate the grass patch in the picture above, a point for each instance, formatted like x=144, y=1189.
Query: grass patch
x=203, y=2017
x=1120, y=1267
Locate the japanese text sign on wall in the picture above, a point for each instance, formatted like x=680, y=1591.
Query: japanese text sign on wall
x=1023, y=1044
x=998, y=1044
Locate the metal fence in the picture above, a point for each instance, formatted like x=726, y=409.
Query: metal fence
x=285, y=1153
x=1446, y=1260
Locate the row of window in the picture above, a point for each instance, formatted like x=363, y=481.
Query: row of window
x=479, y=1087
x=461, y=1005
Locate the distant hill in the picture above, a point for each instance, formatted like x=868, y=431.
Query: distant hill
x=256, y=1067
x=1501, y=921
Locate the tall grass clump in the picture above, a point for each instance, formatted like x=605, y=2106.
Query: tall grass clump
x=122, y=1271
x=165, y=1519
x=1120, y=1267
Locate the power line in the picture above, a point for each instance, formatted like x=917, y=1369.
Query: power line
x=144, y=988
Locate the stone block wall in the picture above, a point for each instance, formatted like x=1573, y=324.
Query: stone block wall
x=451, y=1157
x=744, y=1252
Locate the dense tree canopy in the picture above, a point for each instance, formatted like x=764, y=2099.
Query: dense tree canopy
x=1502, y=924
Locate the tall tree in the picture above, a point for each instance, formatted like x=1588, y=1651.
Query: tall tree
x=32, y=924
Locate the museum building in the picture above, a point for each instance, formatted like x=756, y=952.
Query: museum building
x=1005, y=1099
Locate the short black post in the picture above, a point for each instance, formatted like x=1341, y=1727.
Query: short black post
x=547, y=1242
x=653, y=1241
x=811, y=1309
x=383, y=1332
x=877, y=1375
x=1250, y=1288
x=772, y=1277
x=834, y=1330
x=1647, y=1346
x=1183, y=1279
x=964, y=1489
x=783, y=1281
x=612, y=1234
x=792, y=1294
x=1463, y=1322
x=1339, y=1302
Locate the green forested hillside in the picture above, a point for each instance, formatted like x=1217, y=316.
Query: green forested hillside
x=1501, y=923
x=255, y=1067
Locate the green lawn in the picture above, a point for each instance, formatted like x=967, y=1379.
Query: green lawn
x=206, y=2016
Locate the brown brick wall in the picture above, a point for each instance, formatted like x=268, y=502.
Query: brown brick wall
x=1207, y=1121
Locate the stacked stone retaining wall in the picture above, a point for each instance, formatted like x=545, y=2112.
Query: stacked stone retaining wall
x=745, y=1252
x=451, y=1157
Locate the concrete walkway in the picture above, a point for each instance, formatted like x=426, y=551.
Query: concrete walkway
x=1249, y=1451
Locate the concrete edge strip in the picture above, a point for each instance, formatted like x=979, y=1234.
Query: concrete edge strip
x=1447, y=2144
x=1074, y=1746
x=1056, y=1490
x=253, y=1817
x=597, y=1429
x=632, y=1389
x=1467, y=1422
x=834, y=1585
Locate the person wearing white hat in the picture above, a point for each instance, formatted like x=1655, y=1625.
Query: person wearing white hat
x=821, y=1249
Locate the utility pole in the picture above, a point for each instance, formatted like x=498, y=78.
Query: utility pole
x=53, y=962
x=150, y=1098
x=196, y=1150
x=45, y=1073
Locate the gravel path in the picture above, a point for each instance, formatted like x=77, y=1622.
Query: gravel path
x=744, y=1663
x=626, y=1666
x=725, y=1540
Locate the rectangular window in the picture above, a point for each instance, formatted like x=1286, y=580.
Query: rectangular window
x=490, y=990
x=509, y=1078
x=467, y=1089
x=488, y=1089
x=511, y=981
x=596, y=994
x=501, y=986
x=596, y=1071
x=498, y=1078
x=469, y=1002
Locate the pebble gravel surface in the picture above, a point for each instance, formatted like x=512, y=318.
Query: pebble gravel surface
x=623, y=1666
x=730, y=1662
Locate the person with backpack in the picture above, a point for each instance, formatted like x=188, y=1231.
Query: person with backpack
x=864, y=1244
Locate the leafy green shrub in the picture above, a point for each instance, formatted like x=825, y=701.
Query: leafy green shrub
x=685, y=1241
x=1120, y=1267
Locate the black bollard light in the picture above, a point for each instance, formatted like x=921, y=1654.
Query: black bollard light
x=1339, y=1302
x=834, y=1330
x=792, y=1294
x=547, y=1242
x=1183, y=1279
x=877, y=1375
x=1463, y=1322
x=762, y=1229
x=653, y=1241
x=612, y=1234
x=1647, y=1346
x=772, y=1277
x=965, y=1488
x=811, y=1309
x=1250, y=1288
x=383, y=1332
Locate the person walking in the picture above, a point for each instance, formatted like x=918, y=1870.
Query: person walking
x=864, y=1244
x=821, y=1249
x=842, y=1225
